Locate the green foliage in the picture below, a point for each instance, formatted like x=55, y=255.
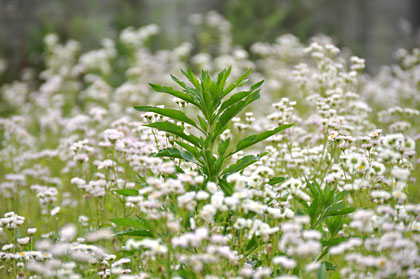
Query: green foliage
x=128, y=222
x=127, y=192
x=217, y=106
x=322, y=272
x=327, y=209
x=326, y=206
x=138, y=227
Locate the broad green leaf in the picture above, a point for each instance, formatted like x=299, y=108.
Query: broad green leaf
x=276, y=180
x=333, y=241
x=343, y=211
x=126, y=222
x=193, y=150
x=127, y=192
x=242, y=163
x=251, y=140
x=233, y=99
x=175, y=93
x=176, y=130
x=257, y=85
x=172, y=113
x=142, y=233
x=332, y=210
x=175, y=153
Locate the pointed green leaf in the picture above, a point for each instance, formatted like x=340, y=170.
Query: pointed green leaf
x=334, y=224
x=127, y=192
x=335, y=212
x=226, y=187
x=251, y=246
x=257, y=85
x=236, y=83
x=313, y=190
x=145, y=223
x=233, y=99
x=211, y=159
x=234, y=110
x=193, y=150
x=176, y=130
x=175, y=93
x=341, y=195
x=126, y=222
x=313, y=210
x=251, y=140
x=175, y=153
x=221, y=80
x=223, y=147
x=190, y=76
x=242, y=163
x=276, y=180
x=333, y=241
x=177, y=80
x=172, y=113
x=203, y=123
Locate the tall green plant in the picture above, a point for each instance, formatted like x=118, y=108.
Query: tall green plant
x=217, y=106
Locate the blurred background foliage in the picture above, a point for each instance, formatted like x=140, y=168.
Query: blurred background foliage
x=372, y=29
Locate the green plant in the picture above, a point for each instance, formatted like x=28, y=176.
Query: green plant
x=327, y=209
x=217, y=106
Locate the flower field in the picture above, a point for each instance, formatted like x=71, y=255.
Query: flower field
x=287, y=161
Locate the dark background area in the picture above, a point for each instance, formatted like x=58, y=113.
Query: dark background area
x=373, y=29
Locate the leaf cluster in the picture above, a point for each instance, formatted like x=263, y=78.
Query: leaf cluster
x=325, y=204
x=217, y=105
x=138, y=227
x=327, y=209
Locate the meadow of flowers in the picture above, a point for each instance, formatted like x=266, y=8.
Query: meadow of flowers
x=115, y=164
